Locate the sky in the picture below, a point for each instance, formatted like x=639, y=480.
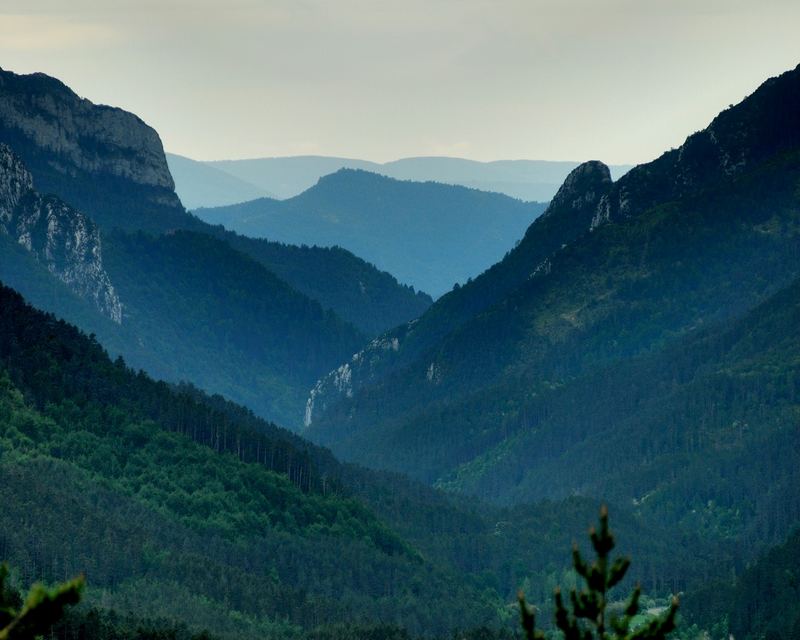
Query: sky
x=614, y=80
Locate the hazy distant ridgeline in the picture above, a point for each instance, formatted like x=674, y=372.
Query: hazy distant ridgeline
x=237, y=180
x=199, y=184
x=428, y=235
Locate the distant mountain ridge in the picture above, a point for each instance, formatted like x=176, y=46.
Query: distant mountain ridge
x=286, y=177
x=200, y=184
x=427, y=234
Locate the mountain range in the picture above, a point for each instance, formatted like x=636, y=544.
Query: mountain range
x=112, y=249
x=637, y=346
x=285, y=177
x=650, y=321
x=429, y=235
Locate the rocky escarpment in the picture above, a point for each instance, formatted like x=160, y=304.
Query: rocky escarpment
x=362, y=368
x=101, y=159
x=63, y=239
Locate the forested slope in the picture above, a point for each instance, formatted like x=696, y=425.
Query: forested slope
x=698, y=242
x=187, y=507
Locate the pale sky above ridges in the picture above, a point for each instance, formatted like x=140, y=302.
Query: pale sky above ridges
x=618, y=81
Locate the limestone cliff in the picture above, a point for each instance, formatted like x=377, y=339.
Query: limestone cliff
x=60, y=237
x=103, y=160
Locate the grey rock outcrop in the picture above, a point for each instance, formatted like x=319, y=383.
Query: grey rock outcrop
x=582, y=189
x=64, y=240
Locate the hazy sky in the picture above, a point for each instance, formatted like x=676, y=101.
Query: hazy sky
x=619, y=81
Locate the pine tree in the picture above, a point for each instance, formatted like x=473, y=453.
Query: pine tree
x=587, y=617
x=25, y=620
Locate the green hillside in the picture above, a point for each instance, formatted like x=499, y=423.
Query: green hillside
x=190, y=509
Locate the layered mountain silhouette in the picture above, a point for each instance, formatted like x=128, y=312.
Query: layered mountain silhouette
x=199, y=184
x=636, y=321
x=114, y=251
x=429, y=235
x=638, y=345
x=286, y=177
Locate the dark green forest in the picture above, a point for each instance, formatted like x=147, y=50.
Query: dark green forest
x=763, y=602
x=161, y=494
x=371, y=300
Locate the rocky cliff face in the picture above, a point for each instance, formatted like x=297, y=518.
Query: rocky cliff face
x=61, y=238
x=360, y=370
x=102, y=159
x=582, y=190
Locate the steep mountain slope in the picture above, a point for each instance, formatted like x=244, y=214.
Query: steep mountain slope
x=187, y=507
x=721, y=406
x=266, y=341
x=530, y=180
x=179, y=302
x=369, y=299
x=764, y=602
x=199, y=184
x=701, y=235
x=161, y=500
x=428, y=235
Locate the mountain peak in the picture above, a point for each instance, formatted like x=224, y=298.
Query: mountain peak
x=582, y=189
x=763, y=125
x=348, y=174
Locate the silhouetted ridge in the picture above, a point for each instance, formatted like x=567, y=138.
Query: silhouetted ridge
x=763, y=125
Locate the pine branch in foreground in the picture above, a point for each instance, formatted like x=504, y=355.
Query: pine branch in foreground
x=41, y=609
x=586, y=616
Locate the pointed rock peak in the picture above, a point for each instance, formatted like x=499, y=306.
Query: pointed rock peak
x=582, y=189
x=592, y=171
